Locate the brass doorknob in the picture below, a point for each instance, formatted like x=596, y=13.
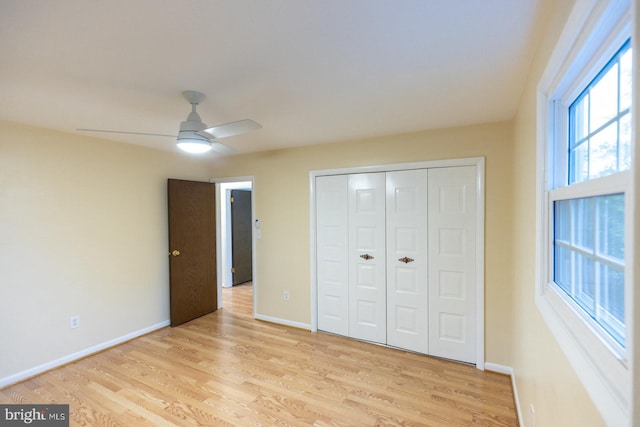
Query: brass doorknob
x=175, y=252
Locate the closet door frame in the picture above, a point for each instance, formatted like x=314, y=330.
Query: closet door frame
x=478, y=162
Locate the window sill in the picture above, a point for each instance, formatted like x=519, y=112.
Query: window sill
x=605, y=376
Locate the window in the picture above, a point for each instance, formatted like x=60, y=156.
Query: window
x=585, y=188
x=588, y=236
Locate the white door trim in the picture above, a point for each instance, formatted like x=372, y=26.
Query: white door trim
x=478, y=162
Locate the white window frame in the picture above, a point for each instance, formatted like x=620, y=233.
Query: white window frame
x=594, y=32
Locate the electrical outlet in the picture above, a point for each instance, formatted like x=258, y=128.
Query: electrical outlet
x=74, y=322
x=533, y=416
x=286, y=296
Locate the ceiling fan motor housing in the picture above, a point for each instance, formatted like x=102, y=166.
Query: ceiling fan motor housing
x=190, y=127
x=193, y=123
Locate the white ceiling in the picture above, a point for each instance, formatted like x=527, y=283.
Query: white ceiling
x=309, y=71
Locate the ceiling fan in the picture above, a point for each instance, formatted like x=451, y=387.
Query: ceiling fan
x=194, y=135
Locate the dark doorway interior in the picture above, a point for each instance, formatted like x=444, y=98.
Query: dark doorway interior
x=241, y=236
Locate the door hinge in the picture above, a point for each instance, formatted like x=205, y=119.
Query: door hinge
x=233, y=270
x=231, y=199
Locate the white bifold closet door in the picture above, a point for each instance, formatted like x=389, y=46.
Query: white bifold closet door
x=367, y=276
x=332, y=254
x=350, y=236
x=452, y=263
x=396, y=261
x=406, y=218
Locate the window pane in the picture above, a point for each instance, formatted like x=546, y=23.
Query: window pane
x=580, y=119
x=625, y=80
x=611, y=315
x=625, y=142
x=611, y=226
x=604, y=99
x=579, y=163
x=583, y=222
x=612, y=291
x=562, y=270
x=585, y=283
x=603, y=155
x=562, y=230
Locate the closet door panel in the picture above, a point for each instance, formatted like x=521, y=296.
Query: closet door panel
x=367, y=288
x=452, y=257
x=332, y=254
x=407, y=260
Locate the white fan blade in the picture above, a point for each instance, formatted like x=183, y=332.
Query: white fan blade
x=233, y=128
x=219, y=147
x=126, y=133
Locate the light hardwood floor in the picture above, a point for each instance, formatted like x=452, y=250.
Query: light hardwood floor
x=228, y=369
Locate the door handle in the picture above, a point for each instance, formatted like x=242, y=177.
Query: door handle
x=406, y=260
x=366, y=257
x=175, y=252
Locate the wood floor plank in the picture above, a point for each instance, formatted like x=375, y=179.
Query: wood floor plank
x=227, y=369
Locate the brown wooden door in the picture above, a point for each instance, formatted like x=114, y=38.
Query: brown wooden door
x=241, y=236
x=192, y=250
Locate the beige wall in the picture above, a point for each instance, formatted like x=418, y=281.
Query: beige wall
x=83, y=231
x=282, y=205
x=544, y=376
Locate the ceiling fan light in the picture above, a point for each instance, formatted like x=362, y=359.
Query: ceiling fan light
x=193, y=143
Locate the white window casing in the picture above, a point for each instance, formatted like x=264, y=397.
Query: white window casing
x=594, y=32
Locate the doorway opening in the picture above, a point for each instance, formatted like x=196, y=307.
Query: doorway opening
x=235, y=245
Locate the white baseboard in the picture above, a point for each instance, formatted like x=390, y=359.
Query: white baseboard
x=516, y=398
x=501, y=369
x=508, y=370
x=20, y=376
x=284, y=322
